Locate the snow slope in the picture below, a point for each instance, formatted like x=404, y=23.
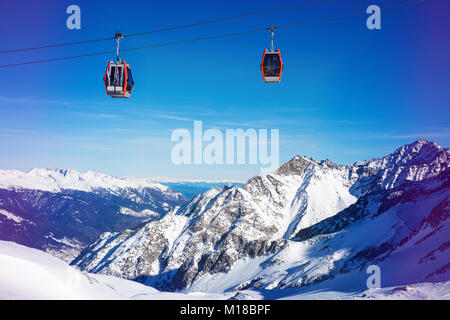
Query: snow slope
x=28, y=274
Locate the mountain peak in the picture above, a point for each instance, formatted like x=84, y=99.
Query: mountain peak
x=418, y=146
x=420, y=151
x=294, y=166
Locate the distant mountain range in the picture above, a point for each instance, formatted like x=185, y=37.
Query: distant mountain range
x=310, y=224
x=63, y=211
x=192, y=188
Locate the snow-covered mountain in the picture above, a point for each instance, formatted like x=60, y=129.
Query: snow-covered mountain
x=310, y=223
x=68, y=179
x=62, y=211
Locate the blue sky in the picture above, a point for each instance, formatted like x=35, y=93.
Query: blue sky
x=347, y=93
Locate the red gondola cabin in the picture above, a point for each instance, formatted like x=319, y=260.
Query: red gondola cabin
x=272, y=66
x=118, y=80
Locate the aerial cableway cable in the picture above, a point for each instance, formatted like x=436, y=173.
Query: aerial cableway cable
x=243, y=16
x=354, y=13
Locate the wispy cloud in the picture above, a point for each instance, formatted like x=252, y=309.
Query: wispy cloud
x=116, y=130
x=3, y=130
x=49, y=102
x=444, y=133
x=95, y=115
x=173, y=117
x=283, y=122
x=33, y=101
